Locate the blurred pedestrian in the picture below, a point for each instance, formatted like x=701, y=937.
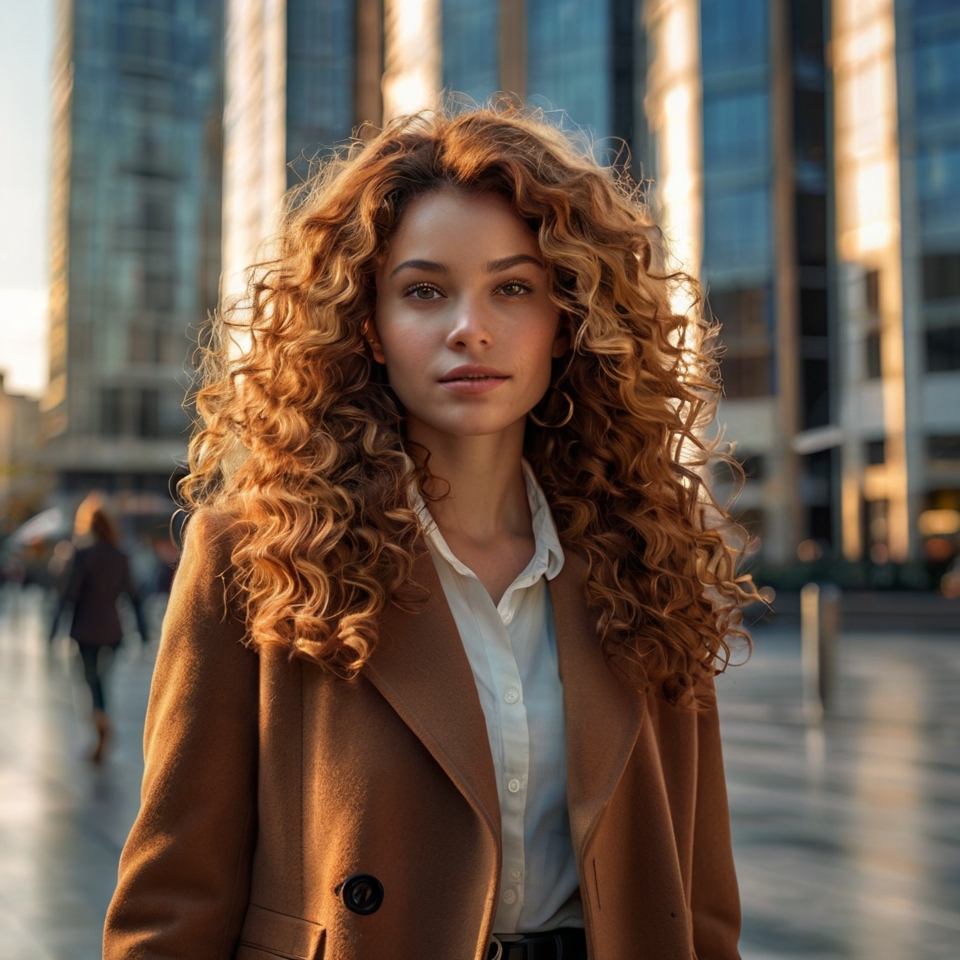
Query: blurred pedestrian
x=99, y=576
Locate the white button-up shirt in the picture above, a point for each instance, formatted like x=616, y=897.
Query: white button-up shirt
x=512, y=650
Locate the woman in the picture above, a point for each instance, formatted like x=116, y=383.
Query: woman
x=99, y=575
x=436, y=674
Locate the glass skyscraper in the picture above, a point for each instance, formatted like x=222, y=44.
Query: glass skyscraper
x=135, y=232
x=819, y=201
x=928, y=83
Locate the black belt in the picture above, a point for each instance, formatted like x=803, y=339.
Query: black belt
x=564, y=944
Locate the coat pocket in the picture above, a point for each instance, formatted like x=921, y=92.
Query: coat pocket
x=267, y=934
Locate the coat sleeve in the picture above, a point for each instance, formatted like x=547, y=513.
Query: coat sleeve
x=715, y=899
x=75, y=581
x=185, y=870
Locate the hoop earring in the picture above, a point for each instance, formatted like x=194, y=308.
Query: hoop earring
x=564, y=421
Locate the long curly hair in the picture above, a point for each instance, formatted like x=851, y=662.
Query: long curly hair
x=301, y=441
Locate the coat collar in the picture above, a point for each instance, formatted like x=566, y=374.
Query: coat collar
x=420, y=667
x=603, y=714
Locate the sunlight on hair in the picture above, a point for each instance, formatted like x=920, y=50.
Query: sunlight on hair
x=300, y=441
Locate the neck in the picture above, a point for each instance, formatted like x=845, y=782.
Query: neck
x=480, y=481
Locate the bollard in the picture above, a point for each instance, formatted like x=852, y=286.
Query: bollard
x=819, y=626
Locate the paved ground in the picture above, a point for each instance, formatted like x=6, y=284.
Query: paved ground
x=847, y=835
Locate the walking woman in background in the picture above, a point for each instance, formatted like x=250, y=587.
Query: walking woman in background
x=436, y=677
x=100, y=574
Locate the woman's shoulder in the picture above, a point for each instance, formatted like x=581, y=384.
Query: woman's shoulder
x=210, y=535
x=205, y=581
x=212, y=529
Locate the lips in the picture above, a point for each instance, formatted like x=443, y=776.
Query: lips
x=472, y=380
x=472, y=372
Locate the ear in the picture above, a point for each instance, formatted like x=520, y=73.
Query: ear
x=561, y=343
x=373, y=338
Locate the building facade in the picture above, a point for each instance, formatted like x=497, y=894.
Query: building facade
x=135, y=224
x=817, y=197
x=825, y=184
x=23, y=483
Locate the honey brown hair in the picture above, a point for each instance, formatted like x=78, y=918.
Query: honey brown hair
x=301, y=440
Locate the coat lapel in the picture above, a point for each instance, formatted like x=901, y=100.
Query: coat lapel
x=603, y=715
x=421, y=669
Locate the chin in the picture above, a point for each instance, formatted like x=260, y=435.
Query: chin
x=470, y=426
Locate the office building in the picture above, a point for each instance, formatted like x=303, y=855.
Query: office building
x=135, y=226
x=826, y=194
x=805, y=159
x=22, y=482
x=303, y=76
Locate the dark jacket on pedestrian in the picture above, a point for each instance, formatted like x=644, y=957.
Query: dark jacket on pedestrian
x=100, y=574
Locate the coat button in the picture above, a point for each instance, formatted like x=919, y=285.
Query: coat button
x=362, y=893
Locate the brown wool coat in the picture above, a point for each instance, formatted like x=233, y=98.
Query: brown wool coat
x=269, y=783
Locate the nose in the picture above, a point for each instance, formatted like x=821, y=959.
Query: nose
x=471, y=325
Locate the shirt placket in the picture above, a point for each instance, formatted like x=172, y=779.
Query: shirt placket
x=515, y=735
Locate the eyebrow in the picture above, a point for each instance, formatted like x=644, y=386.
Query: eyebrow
x=494, y=266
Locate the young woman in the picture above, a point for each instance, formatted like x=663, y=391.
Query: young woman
x=99, y=575
x=436, y=678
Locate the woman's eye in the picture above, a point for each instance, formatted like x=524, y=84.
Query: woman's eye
x=514, y=289
x=424, y=292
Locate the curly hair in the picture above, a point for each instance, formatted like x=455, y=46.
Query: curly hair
x=301, y=440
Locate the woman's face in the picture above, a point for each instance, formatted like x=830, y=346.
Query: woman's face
x=464, y=320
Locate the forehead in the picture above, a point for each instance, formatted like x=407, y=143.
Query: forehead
x=446, y=224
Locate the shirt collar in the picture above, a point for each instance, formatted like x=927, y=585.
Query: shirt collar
x=548, y=553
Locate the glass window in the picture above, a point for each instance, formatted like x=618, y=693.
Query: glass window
x=814, y=319
x=736, y=130
x=568, y=59
x=933, y=8
x=746, y=377
x=938, y=175
x=873, y=355
x=733, y=34
x=320, y=79
x=815, y=386
x=807, y=17
x=743, y=313
x=941, y=276
x=944, y=447
x=812, y=228
x=737, y=232
x=943, y=349
x=111, y=412
x=810, y=123
x=754, y=466
x=875, y=452
x=149, y=412
x=471, y=47
x=937, y=69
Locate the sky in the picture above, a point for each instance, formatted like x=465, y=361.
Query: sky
x=26, y=48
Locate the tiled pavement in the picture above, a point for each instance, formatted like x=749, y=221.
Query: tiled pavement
x=847, y=836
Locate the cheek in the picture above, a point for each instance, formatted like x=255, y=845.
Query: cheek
x=406, y=350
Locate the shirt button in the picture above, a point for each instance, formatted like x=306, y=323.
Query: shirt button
x=513, y=786
x=511, y=696
x=515, y=875
x=509, y=896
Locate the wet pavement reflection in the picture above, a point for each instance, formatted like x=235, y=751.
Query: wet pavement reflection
x=847, y=835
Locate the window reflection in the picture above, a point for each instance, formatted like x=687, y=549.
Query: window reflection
x=737, y=229
x=567, y=44
x=734, y=34
x=736, y=129
x=470, y=44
